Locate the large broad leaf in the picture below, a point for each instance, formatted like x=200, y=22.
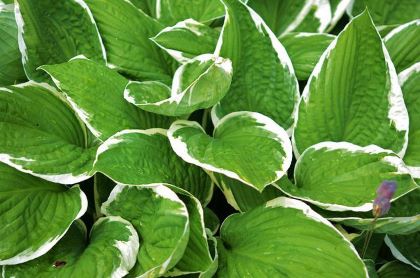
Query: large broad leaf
x=162, y=223
x=353, y=94
x=246, y=146
x=304, y=50
x=126, y=31
x=343, y=176
x=187, y=39
x=145, y=156
x=405, y=248
x=41, y=135
x=282, y=16
x=198, y=84
x=52, y=32
x=283, y=239
x=11, y=70
x=387, y=12
x=34, y=214
x=263, y=79
x=96, y=93
x=403, y=45
x=410, y=82
x=110, y=252
x=318, y=18
x=171, y=12
x=402, y=218
x=396, y=269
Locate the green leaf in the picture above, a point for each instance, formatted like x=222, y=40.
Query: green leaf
x=263, y=79
x=282, y=239
x=403, y=45
x=147, y=6
x=338, y=8
x=78, y=79
x=187, y=39
x=318, y=18
x=396, y=269
x=126, y=31
x=410, y=81
x=304, y=50
x=405, y=248
x=353, y=94
x=211, y=220
x=11, y=69
x=42, y=136
x=387, y=12
x=161, y=221
x=243, y=197
x=342, y=176
x=402, y=218
x=171, y=12
x=139, y=157
x=281, y=16
x=34, y=214
x=198, y=84
x=110, y=252
x=246, y=146
x=52, y=32
x=370, y=265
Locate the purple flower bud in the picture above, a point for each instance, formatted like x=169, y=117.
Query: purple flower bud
x=382, y=203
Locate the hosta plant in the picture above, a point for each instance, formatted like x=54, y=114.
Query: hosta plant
x=209, y=138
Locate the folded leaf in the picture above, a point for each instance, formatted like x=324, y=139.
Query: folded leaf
x=410, y=81
x=34, y=214
x=211, y=220
x=52, y=32
x=11, y=69
x=110, y=252
x=405, y=248
x=342, y=176
x=403, y=45
x=263, y=79
x=318, y=18
x=145, y=156
x=246, y=146
x=281, y=16
x=84, y=82
x=42, y=136
x=338, y=8
x=282, y=239
x=304, y=50
x=161, y=221
x=387, y=12
x=198, y=84
x=187, y=39
x=171, y=12
x=126, y=31
x=353, y=94
x=395, y=269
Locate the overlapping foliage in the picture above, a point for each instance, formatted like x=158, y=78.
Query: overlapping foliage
x=119, y=119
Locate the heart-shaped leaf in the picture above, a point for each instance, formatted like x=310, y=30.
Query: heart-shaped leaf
x=34, y=214
x=78, y=79
x=402, y=44
x=405, y=248
x=11, y=69
x=52, y=32
x=343, y=176
x=110, y=252
x=198, y=84
x=41, y=135
x=282, y=239
x=187, y=39
x=126, y=31
x=353, y=94
x=263, y=79
x=139, y=157
x=161, y=221
x=171, y=12
x=304, y=50
x=246, y=146
x=409, y=81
